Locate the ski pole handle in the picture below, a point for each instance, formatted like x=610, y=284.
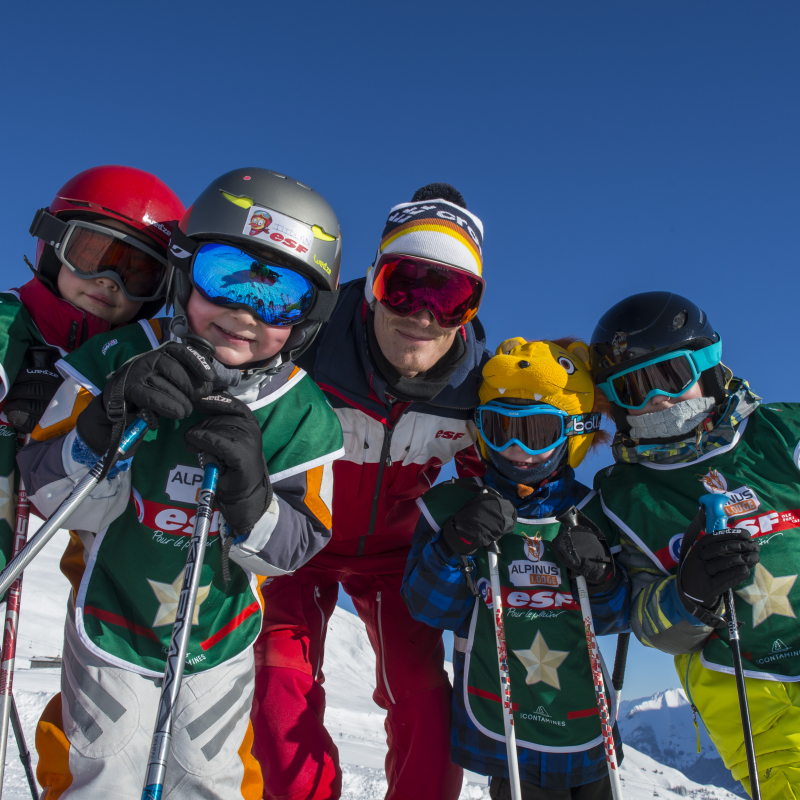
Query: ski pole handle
x=716, y=519
x=17, y=564
x=176, y=658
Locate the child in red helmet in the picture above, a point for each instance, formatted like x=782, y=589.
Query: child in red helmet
x=101, y=261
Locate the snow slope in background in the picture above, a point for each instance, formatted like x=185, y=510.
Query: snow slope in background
x=354, y=721
x=662, y=727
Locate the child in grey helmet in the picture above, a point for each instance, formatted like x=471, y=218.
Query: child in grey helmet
x=275, y=439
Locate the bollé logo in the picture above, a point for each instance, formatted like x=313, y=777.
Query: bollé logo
x=582, y=424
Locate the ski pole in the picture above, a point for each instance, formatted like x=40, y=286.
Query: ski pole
x=176, y=658
x=493, y=551
x=606, y=724
x=716, y=520
x=24, y=755
x=620, y=660
x=17, y=564
x=10, y=634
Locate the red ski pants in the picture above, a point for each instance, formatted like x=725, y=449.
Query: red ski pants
x=298, y=758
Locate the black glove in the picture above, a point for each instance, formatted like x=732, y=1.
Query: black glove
x=167, y=382
x=483, y=520
x=233, y=436
x=583, y=548
x=33, y=389
x=710, y=564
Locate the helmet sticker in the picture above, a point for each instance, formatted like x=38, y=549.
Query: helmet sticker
x=278, y=229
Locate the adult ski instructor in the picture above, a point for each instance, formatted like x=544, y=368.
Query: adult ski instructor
x=400, y=362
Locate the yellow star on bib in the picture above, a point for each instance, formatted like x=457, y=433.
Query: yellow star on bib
x=168, y=595
x=541, y=662
x=768, y=595
x=8, y=510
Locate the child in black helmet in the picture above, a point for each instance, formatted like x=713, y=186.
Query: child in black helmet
x=275, y=438
x=687, y=428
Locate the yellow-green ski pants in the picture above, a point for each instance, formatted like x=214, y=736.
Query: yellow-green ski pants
x=774, y=715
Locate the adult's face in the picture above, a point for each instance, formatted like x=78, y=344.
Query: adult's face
x=412, y=344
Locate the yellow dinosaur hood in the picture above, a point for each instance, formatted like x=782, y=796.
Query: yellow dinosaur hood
x=544, y=372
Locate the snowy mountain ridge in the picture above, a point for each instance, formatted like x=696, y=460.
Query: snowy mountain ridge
x=354, y=721
x=662, y=727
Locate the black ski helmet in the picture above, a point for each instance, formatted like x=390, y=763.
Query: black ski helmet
x=270, y=216
x=645, y=326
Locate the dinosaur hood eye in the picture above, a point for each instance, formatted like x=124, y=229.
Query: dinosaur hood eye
x=568, y=366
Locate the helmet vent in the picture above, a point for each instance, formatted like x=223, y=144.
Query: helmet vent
x=277, y=174
x=303, y=186
x=115, y=213
x=80, y=203
x=679, y=320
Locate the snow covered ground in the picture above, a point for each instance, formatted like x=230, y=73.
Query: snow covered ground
x=353, y=720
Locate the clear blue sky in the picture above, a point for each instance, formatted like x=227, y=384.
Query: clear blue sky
x=608, y=147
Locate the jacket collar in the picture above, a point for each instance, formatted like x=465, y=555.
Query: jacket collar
x=61, y=324
x=342, y=361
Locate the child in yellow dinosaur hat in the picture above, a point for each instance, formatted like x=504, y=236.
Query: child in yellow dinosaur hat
x=539, y=416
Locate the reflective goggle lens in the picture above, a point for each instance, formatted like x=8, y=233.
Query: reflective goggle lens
x=89, y=252
x=407, y=285
x=537, y=432
x=225, y=275
x=670, y=377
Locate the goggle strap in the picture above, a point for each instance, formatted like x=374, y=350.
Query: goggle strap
x=708, y=356
x=181, y=249
x=323, y=308
x=48, y=228
x=582, y=424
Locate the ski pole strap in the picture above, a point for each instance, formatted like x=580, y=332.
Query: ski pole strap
x=620, y=660
x=116, y=412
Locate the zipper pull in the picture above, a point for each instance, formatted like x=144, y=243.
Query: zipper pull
x=694, y=719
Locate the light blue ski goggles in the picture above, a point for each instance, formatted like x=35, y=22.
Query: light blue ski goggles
x=535, y=429
x=671, y=375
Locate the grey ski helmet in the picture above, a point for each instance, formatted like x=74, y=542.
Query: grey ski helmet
x=270, y=216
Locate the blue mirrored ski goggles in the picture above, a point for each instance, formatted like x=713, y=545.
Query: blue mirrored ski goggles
x=671, y=375
x=535, y=429
x=227, y=276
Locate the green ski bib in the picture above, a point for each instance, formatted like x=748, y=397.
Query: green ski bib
x=128, y=596
x=759, y=472
x=552, y=692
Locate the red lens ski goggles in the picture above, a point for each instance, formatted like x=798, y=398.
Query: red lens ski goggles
x=408, y=284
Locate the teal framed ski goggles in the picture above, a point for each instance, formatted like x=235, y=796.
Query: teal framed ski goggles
x=670, y=374
x=227, y=276
x=535, y=429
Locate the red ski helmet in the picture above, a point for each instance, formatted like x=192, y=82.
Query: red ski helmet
x=132, y=196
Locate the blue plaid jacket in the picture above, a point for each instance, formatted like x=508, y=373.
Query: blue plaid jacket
x=436, y=591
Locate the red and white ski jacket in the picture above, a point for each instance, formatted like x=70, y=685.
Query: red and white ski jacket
x=393, y=452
